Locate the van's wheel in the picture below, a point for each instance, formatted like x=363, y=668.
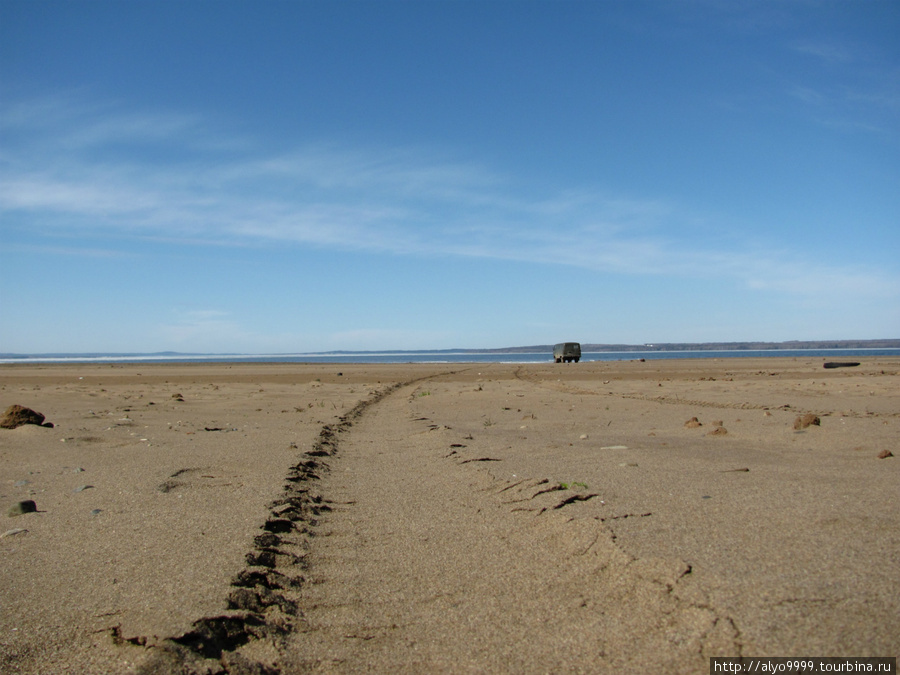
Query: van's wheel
x=576, y=360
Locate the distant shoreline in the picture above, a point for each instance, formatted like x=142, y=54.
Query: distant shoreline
x=531, y=349
x=536, y=354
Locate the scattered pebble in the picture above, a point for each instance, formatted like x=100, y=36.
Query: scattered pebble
x=615, y=447
x=806, y=420
x=82, y=488
x=884, y=454
x=693, y=423
x=718, y=431
x=96, y=512
x=583, y=437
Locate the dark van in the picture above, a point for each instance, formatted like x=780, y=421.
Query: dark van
x=565, y=352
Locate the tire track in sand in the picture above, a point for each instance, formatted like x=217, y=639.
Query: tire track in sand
x=262, y=606
x=422, y=565
x=416, y=562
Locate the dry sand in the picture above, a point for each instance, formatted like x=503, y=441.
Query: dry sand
x=537, y=518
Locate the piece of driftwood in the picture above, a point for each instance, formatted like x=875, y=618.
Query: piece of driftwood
x=841, y=364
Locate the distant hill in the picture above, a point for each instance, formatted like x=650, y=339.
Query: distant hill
x=706, y=346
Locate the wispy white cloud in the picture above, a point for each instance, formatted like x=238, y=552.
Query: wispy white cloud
x=848, y=87
x=71, y=174
x=828, y=51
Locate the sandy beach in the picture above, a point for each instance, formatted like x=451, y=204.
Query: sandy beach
x=588, y=518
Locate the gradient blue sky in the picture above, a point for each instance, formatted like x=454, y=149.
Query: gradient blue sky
x=276, y=177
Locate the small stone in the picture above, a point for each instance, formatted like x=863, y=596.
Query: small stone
x=82, y=488
x=806, y=420
x=96, y=512
x=583, y=437
x=27, y=506
x=884, y=454
x=20, y=483
x=718, y=431
x=693, y=423
x=13, y=532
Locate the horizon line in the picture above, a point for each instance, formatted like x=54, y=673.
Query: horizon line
x=736, y=345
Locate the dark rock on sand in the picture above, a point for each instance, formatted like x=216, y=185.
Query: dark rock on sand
x=806, y=420
x=27, y=506
x=18, y=415
x=884, y=454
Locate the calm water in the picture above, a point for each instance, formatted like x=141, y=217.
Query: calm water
x=443, y=357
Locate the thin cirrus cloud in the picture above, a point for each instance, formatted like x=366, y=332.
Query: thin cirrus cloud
x=859, y=93
x=827, y=51
x=81, y=170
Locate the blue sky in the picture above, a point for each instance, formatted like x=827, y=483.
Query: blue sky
x=283, y=177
